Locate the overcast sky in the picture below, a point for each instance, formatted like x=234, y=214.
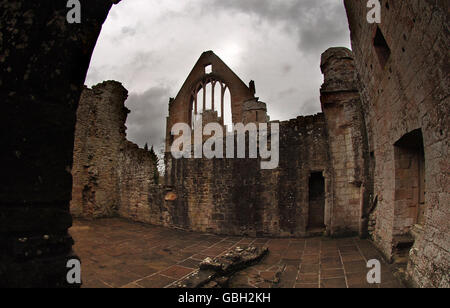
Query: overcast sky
x=151, y=46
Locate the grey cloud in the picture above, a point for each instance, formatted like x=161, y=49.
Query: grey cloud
x=309, y=106
x=287, y=92
x=318, y=24
x=146, y=122
x=286, y=68
x=128, y=31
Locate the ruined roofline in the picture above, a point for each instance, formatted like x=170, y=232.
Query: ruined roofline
x=110, y=85
x=121, y=94
x=337, y=53
x=198, y=63
x=306, y=119
x=338, y=69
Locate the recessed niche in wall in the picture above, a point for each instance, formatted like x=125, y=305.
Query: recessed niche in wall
x=381, y=48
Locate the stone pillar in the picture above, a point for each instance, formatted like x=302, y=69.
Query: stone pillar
x=341, y=105
x=99, y=141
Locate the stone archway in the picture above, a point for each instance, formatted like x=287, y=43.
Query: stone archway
x=409, y=195
x=44, y=64
x=316, y=213
x=209, y=94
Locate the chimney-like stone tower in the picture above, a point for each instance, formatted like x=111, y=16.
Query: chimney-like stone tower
x=341, y=105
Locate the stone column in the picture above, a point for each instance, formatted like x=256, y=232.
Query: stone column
x=341, y=105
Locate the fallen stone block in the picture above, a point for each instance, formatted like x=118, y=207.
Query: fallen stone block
x=215, y=273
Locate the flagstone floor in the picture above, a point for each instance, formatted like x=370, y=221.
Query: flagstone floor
x=118, y=253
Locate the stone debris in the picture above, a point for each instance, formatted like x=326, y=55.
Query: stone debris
x=216, y=273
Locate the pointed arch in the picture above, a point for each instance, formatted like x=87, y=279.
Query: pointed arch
x=208, y=96
x=200, y=100
x=226, y=95
x=218, y=98
x=228, y=116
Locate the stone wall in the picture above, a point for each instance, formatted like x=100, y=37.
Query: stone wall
x=403, y=67
x=140, y=195
x=234, y=196
x=341, y=105
x=112, y=176
x=99, y=139
x=329, y=148
x=319, y=186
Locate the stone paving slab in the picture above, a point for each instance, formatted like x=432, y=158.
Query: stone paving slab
x=117, y=253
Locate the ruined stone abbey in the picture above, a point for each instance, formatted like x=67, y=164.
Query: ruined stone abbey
x=374, y=163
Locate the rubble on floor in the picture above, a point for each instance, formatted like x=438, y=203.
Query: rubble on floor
x=216, y=273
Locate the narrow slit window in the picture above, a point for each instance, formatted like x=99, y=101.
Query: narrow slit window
x=381, y=48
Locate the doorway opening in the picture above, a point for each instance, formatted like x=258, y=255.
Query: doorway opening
x=316, y=219
x=410, y=207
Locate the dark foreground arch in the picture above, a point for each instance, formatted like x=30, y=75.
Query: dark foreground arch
x=44, y=61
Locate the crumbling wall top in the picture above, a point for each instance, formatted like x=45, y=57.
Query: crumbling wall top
x=111, y=86
x=338, y=68
x=254, y=104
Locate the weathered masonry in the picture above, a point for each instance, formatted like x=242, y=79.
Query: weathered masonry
x=111, y=175
x=315, y=189
x=318, y=187
x=375, y=161
x=403, y=73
